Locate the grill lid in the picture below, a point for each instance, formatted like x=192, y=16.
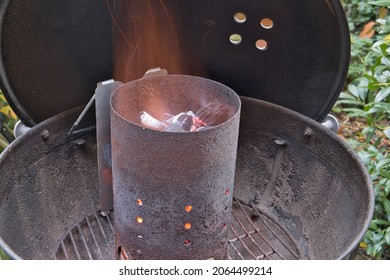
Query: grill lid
x=291, y=53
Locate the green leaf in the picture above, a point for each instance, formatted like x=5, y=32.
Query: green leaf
x=380, y=3
x=386, y=205
x=387, y=238
x=382, y=94
x=381, y=222
x=382, y=163
x=346, y=95
x=349, y=102
x=354, y=90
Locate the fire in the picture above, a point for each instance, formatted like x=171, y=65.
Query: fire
x=145, y=37
x=188, y=208
x=139, y=220
x=187, y=226
x=182, y=122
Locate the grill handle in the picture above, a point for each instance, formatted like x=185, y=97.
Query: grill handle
x=103, y=94
x=103, y=136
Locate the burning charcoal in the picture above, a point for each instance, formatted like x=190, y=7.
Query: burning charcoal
x=176, y=117
x=182, y=122
x=187, y=122
x=210, y=114
x=175, y=127
x=151, y=122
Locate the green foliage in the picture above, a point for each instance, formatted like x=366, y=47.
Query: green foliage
x=366, y=99
x=7, y=123
x=3, y=256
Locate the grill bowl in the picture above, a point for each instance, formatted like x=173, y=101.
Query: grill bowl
x=291, y=168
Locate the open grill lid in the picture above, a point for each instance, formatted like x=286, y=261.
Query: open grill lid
x=54, y=52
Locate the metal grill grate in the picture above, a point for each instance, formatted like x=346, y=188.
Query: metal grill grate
x=253, y=235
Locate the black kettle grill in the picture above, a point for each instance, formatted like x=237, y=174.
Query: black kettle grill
x=299, y=190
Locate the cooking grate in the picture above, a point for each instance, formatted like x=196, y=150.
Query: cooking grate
x=253, y=235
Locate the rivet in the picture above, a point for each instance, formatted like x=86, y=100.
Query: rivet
x=308, y=132
x=280, y=142
x=45, y=135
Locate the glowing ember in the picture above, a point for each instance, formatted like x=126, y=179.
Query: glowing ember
x=139, y=202
x=187, y=226
x=139, y=220
x=188, y=208
x=205, y=118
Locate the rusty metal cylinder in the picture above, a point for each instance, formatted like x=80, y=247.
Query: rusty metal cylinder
x=173, y=190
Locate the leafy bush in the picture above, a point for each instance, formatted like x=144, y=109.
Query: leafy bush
x=7, y=123
x=366, y=102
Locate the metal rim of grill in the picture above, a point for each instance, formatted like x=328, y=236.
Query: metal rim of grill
x=253, y=235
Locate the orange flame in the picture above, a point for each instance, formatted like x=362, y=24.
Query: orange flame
x=145, y=37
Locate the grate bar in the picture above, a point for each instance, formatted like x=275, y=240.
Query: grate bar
x=250, y=236
x=94, y=238
x=109, y=221
x=260, y=214
x=74, y=245
x=243, y=243
x=277, y=237
x=256, y=229
x=64, y=250
x=84, y=242
x=101, y=227
x=236, y=250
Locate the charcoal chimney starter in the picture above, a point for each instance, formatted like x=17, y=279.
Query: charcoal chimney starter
x=173, y=191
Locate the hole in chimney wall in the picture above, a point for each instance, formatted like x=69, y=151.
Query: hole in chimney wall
x=139, y=220
x=188, y=208
x=187, y=226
